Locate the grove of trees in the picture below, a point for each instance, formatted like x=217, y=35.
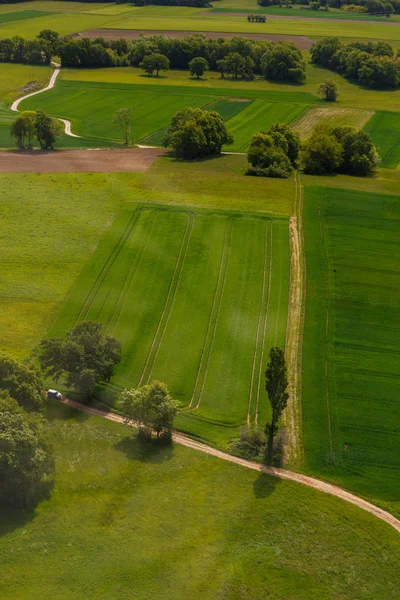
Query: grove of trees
x=274, y=152
x=84, y=357
x=30, y=125
x=195, y=133
x=238, y=57
x=151, y=408
x=372, y=64
x=342, y=150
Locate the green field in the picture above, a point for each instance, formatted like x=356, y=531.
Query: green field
x=351, y=416
x=384, y=129
x=131, y=521
x=197, y=299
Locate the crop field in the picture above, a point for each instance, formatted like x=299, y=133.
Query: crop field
x=384, y=128
x=258, y=116
x=351, y=368
x=327, y=118
x=197, y=299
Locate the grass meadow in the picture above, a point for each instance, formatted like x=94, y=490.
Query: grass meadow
x=351, y=417
x=197, y=299
x=126, y=521
x=384, y=129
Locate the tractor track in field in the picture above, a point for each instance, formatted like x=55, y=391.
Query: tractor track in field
x=312, y=482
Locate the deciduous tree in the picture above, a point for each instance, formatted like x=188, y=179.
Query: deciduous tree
x=123, y=116
x=24, y=384
x=198, y=66
x=328, y=90
x=154, y=62
x=84, y=357
x=276, y=383
x=151, y=407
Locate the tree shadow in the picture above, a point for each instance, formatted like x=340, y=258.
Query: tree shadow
x=151, y=451
x=15, y=517
x=264, y=485
x=57, y=411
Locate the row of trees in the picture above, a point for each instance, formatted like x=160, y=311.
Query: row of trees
x=31, y=125
x=238, y=57
x=373, y=64
x=277, y=151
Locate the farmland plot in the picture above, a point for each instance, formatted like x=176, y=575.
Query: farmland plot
x=196, y=299
x=259, y=115
x=316, y=118
x=351, y=367
x=384, y=128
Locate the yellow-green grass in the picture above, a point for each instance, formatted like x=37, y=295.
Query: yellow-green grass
x=14, y=77
x=301, y=12
x=55, y=6
x=351, y=95
x=64, y=23
x=126, y=521
x=317, y=118
x=197, y=299
x=351, y=416
x=48, y=229
x=384, y=129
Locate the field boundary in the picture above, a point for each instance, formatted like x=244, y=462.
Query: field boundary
x=292, y=417
x=312, y=482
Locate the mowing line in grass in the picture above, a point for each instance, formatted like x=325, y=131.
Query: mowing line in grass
x=106, y=268
x=230, y=222
x=120, y=305
x=258, y=326
x=265, y=327
x=222, y=268
x=169, y=301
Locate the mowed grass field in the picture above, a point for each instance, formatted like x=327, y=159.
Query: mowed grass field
x=316, y=118
x=351, y=368
x=384, y=129
x=197, y=299
x=126, y=521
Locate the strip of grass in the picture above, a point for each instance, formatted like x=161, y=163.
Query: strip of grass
x=384, y=129
x=299, y=12
x=182, y=291
x=23, y=14
x=326, y=118
x=257, y=117
x=172, y=523
x=351, y=417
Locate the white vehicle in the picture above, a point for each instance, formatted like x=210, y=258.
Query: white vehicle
x=54, y=394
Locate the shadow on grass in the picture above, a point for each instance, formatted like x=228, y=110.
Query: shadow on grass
x=14, y=517
x=57, y=411
x=152, y=451
x=264, y=485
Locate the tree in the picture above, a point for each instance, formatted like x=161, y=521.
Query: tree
x=276, y=383
x=328, y=90
x=198, y=66
x=360, y=155
x=194, y=133
x=292, y=140
x=154, y=62
x=50, y=42
x=123, y=117
x=47, y=130
x=84, y=357
x=25, y=457
x=235, y=64
x=283, y=62
x=22, y=383
x=323, y=51
x=23, y=128
x=267, y=155
x=151, y=407
x=322, y=153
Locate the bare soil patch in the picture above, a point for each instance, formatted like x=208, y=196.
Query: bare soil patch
x=79, y=161
x=304, y=43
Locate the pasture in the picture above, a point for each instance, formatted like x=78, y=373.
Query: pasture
x=327, y=118
x=351, y=415
x=173, y=523
x=384, y=129
x=197, y=299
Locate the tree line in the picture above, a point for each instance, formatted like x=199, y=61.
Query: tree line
x=372, y=64
x=236, y=58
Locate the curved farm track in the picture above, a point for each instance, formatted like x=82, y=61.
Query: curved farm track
x=311, y=482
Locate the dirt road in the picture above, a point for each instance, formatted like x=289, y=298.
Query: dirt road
x=80, y=161
x=311, y=482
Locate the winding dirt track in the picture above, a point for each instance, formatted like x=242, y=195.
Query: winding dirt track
x=311, y=482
